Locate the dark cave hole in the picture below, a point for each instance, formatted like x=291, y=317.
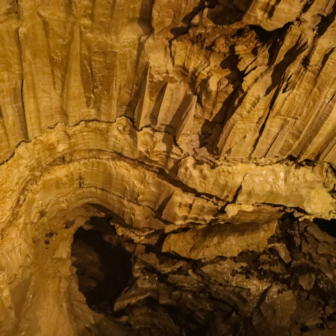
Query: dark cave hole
x=104, y=267
x=104, y=270
x=328, y=226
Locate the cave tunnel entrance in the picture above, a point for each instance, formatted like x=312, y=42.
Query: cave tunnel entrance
x=104, y=267
x=154, y=293
x=105, y=264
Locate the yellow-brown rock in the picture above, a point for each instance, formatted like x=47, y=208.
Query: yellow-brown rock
x=195, y=138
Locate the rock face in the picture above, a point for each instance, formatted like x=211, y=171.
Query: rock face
x=187, y=146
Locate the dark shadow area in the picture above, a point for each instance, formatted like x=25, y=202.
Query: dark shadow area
x=271, y=12
x=145, y=16
x=263, y=35
x=211, y=131
x=178, y=31
x=175, y=296
x=326, y=21
x=328, y=226
x=104, y=267
x=307, y=6
x=229, y=13
x=218, y=13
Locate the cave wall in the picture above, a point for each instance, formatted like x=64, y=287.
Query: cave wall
x=175, y=115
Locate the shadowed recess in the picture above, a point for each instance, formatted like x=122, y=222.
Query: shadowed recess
x=103, y=266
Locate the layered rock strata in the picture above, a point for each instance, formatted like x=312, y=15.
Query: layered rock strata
x=203, y=131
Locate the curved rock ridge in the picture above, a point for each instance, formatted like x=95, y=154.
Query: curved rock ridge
x=195, y=136
x=309, y=188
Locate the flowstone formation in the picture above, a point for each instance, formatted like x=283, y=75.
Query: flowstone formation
x=167, y=167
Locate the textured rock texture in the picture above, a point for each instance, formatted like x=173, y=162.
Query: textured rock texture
x=202, y=134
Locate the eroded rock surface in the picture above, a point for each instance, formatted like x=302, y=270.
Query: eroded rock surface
x=250, y=293
x=193, y=139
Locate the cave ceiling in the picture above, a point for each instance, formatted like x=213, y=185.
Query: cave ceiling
x=167, y=167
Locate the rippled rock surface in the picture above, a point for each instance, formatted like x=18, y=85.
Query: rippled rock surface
x=167, y=167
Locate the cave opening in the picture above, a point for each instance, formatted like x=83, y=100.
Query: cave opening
x=133, y=284
x=103, y=265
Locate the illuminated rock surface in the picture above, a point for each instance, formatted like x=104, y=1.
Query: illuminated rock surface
x=167, y=167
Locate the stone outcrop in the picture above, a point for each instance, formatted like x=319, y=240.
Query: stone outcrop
x=196, y=139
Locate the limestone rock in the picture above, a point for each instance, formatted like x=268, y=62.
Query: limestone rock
x=307, y=281
x=220, y=240
x=192, y=142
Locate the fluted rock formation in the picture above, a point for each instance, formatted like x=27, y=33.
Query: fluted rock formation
x=196, y=139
